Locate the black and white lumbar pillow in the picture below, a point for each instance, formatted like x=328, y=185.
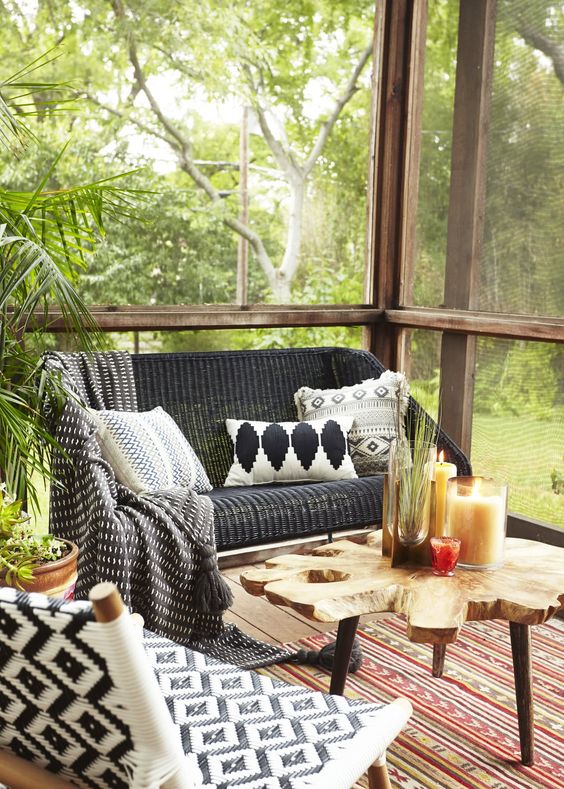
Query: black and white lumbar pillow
x=374, y=406
x=148, y=451
x=289, y=451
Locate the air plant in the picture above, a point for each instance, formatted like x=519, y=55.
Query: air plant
x=412, y=464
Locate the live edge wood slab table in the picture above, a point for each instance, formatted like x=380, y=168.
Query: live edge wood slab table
x=343, y=580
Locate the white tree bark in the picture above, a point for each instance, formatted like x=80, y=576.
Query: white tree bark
x=281, y=277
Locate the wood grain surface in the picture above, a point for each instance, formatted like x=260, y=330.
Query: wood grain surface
x=346, y=579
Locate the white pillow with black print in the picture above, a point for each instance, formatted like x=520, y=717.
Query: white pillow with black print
x=147, y=451
x=373, y=404
x=289, y=451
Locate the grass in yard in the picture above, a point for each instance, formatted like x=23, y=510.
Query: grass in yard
x=523, y=451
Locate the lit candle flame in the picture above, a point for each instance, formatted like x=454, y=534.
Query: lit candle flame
x=476, y=487
x=442, y=456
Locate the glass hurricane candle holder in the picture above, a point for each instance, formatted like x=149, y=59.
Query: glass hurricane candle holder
x=444, y=554
x=476, y=514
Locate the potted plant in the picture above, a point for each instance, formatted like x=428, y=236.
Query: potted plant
x=36, y=563
x=46, y=236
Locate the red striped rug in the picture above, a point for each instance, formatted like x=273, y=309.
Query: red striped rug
x=463, y=732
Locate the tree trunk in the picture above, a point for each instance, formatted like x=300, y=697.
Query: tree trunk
x=287, y=271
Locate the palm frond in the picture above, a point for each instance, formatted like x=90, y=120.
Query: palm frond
x=14, y=135
x=46, y=237
x=42, y=60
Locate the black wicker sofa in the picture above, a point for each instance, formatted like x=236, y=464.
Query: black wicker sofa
x=201, y=390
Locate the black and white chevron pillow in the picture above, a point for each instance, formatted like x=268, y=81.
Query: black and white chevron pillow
x=289, y=451
x=148, y=451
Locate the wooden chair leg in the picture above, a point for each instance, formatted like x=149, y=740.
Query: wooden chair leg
x=19, y=774
x=378, y=777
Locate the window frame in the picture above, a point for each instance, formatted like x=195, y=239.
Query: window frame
x=388, y=313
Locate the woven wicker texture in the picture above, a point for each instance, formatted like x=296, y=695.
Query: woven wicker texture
x=201, y=390
x=266, y=513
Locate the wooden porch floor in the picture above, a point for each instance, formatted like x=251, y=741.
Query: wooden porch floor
x=263, y=620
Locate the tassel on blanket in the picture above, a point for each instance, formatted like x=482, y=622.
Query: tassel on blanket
x=211, y=592
x=325, y=657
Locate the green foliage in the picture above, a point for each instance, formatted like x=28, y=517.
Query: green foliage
x=557, y=479
x=296, y=61
x=426, y=392
x=516, y=378
x=21, y=551
x=522, y=450
x=242, y=339
x=46, y=235
x=436, y=150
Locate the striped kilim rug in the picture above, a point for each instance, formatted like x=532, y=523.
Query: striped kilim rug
x=463, y=732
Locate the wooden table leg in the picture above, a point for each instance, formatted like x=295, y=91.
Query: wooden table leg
x=343, y=651
x=521, y=650
x=439, y=652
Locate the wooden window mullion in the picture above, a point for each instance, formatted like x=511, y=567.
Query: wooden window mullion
x=399, y=51
x=475, y=58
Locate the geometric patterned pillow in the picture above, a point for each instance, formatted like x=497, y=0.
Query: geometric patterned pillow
x=289, y=451
x=373, y=404
x=148, y=451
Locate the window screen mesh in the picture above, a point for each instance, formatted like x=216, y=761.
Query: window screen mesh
x=522, y=265
x=522, y=260
x=518, y=424
x=518, y=416
x=423, y=368
x=436, y=146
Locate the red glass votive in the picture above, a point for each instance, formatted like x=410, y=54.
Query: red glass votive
x=444, y=554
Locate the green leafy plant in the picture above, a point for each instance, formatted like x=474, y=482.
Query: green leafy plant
x=22, y=551
x=46, y=236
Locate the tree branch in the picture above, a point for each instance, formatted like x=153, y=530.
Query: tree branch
x=281, y=153
x=182, y=141
x=176, y=63
x=187, y=164
x=135, y=121
x=343, y=99
x=551, y=48
x=183, y=147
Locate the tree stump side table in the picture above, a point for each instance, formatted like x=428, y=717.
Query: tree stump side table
x=343, y=580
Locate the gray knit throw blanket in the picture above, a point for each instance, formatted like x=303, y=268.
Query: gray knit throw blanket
x=158, y=548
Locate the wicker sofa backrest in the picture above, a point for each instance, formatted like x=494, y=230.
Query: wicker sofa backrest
x=201, y=390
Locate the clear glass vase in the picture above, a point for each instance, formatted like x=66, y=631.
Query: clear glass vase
x=411, y=470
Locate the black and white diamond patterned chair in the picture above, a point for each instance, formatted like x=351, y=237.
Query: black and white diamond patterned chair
x=82, y=703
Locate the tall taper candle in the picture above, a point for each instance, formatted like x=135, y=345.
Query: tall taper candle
x=442, y=472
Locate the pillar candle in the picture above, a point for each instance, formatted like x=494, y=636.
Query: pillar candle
x=442, y=472
x=478, y=521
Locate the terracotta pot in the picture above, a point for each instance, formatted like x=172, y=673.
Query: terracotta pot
x=56, y=579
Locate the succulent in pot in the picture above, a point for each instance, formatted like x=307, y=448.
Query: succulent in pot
x=36, y=563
